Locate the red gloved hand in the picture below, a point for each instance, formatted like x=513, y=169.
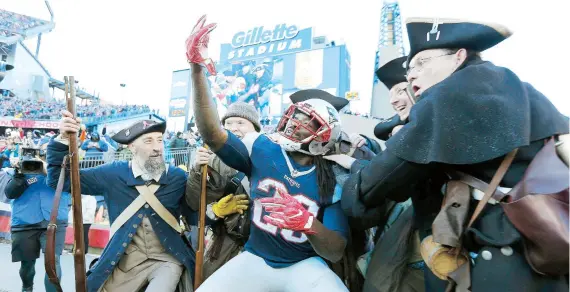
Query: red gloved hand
x=288, y=213
x=197, y=45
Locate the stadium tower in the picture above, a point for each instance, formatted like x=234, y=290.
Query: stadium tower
x=390, y=46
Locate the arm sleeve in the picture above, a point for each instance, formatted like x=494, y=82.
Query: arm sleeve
x=236, y=153
x=385, y=177
x=104, y=147
x=16, y=187
x=92, y=179
x=84, y=145
x=334, y=219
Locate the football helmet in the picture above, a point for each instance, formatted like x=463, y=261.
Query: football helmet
x=321, y=122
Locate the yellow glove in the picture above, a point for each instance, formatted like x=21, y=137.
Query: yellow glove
x=230, y=204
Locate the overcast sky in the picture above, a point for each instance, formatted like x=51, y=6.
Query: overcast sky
x=108, y=42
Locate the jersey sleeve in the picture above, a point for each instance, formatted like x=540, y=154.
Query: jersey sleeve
x=335, y=220
x=236, y=153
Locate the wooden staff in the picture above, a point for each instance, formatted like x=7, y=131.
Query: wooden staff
x=79, y=252
x=201, y=228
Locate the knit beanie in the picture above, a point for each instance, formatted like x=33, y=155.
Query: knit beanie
x=243, y=110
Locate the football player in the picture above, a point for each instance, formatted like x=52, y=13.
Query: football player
x=297, y=220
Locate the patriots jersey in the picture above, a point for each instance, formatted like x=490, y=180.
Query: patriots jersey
x=270, y=168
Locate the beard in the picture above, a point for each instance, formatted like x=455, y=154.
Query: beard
x=153, y=166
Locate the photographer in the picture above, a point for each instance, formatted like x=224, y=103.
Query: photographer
x=31, y=205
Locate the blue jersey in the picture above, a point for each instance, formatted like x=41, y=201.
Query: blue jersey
x=270, y=168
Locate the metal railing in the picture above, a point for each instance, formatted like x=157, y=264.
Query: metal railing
x=172, y=156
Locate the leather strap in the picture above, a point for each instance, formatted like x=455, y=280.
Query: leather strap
x=146, y=196
x=490, y=190
x=49, y=263
x=234, y=183
x=157, y=206
x=478, y=184
x=133, y=207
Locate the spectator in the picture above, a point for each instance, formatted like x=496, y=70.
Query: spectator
x=94, y=147
x=28, y=141
x=178, y=142
x=11, y=151
x=88, y=207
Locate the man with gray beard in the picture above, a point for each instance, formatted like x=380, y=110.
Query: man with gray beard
x=145, y=200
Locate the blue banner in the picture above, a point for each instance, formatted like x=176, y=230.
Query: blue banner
x=260, y=42
x=179, y=94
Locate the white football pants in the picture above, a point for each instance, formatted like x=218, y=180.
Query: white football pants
x=249, y=273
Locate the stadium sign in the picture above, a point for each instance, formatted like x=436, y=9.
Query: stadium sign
x=35, y=124
x=260, y=42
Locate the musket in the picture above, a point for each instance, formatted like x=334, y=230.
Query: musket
x=79, y=250
x=201, y=228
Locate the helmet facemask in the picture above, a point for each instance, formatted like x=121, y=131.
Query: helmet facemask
x=303, y=129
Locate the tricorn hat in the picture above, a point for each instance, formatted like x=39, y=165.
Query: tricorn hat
x=129, y=134
x=337, y=102
x=393, y=72
x=447, y=33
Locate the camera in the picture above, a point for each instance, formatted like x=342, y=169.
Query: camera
x=29, y=163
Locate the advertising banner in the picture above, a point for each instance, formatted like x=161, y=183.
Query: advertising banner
x=262, y=42
x=28, y=124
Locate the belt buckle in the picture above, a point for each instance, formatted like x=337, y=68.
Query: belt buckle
x=236, y=181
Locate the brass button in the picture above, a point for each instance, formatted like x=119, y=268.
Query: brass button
x=125, y=244
x=146, y=206
x=112, y=263
x=130, y=235
x=134, y=226
x=507, y=250
x=486, y=255
x=140, y=215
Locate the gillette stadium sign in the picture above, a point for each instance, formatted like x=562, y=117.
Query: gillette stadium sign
x=262, y=42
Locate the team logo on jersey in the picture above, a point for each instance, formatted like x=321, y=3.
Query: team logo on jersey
x=32, y=180
x=292, y=182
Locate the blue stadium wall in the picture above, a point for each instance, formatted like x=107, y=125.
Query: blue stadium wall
x=335, y=70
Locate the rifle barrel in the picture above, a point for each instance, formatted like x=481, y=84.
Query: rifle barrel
x=79, y=252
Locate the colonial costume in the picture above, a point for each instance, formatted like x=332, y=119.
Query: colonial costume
x=468, y=122
x=146, y=248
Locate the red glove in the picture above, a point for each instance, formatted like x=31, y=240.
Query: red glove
x=288, y=213
x=197, y=45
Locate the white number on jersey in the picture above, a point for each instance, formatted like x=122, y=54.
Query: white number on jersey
x=267, y=185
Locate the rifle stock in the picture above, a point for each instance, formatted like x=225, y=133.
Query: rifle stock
x=201, y=227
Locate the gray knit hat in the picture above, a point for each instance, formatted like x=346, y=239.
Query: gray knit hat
x=243, y=110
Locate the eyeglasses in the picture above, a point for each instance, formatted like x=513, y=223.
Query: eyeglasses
x=421, y=62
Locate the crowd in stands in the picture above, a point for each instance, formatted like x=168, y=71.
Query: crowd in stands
x=11, y=22
x=50, y=109
x=94, y=146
